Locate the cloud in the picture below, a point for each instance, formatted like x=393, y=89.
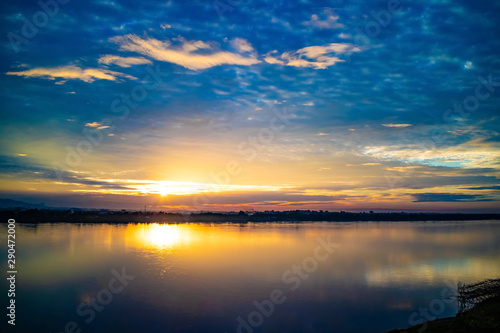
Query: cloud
x=29, y=169
x=448, y=197
x=495, y=188
x=190, y=54
x=464, y=156
x=397, y=125
x=123, y=61
x=329, y=23
x=272, y=60
x=96, y=125
x=72, y=73
x=318, y=57
x=242, y=45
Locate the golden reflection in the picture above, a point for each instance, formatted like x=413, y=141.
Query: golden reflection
x=468, y=271
x=382, y=254
x=166, y=235
x=196, y=236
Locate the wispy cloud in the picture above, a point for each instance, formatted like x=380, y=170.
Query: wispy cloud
x=457, y=156
x=448, y=197
x=494, y=188
x=242, y=45
x=72, y=73
x=318, y=57
x=109, y=59
x=396, y=125
x=96, y=125
x=272, y=60
x=194, y=55
x=329, y=22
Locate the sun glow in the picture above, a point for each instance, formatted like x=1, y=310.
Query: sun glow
x=165, y=188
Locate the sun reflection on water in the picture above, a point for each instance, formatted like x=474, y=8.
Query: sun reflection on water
x=164, y=235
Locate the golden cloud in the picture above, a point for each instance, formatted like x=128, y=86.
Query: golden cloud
x=187, y=54
x=72, y=73
x=123, y=61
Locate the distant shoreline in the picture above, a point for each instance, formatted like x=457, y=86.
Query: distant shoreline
x=81, y=216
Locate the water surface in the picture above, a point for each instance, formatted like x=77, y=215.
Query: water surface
x=211, y=278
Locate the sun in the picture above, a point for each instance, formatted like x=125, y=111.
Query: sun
x=163, y=191
x=179, y=188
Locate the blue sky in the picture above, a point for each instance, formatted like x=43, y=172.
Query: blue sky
x=228, y=105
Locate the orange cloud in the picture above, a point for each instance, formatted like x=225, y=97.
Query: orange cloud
x=96, y=125
x=123, y=61
x=72, y=73
x=186, y=54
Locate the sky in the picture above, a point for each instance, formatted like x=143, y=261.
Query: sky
x=232, y=105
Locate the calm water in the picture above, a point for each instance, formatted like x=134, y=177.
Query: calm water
x=322, y=277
